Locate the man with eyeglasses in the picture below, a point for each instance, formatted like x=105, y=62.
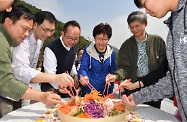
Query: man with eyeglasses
x=25, y=56
x=59, y=56
x=139, y=55
x=15, y=27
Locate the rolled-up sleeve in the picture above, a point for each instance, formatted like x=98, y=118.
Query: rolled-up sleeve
x=21, y=63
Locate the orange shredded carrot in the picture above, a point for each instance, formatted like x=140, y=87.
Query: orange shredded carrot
x=72, y=102
x=94, y=94
x=65, y=110
x=120, y=108
x=83, y=115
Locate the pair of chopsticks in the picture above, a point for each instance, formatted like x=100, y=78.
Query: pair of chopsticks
x=91, y=87
x=107, y=85
x=62, y=104
x=119, y=88
x=71, y=92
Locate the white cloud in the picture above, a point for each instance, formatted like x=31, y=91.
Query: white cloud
x=120, y=31
x=119, y=23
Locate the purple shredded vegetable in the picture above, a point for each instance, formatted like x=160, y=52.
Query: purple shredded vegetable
x=94, y=109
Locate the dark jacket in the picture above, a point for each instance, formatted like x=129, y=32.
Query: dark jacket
x=128, y=57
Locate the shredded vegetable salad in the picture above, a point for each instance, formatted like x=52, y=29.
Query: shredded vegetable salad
x=92, y=105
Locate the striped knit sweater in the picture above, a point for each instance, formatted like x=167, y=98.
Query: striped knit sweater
x=175, y=83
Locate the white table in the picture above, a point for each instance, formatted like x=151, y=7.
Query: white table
x=151, y=114
x=32, y=112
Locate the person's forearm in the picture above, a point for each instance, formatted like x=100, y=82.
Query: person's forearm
x=43, y=77
x=24, y=74
x=138, y=84
x=163, y=88
x=120, y=74
x=31, y=94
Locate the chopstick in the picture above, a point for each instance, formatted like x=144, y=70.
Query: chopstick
x=70, y=94
x=88, y=83
x=65, y=106
x=106, y=89
x=120, y=87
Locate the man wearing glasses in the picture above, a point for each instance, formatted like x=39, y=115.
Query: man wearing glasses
x=59, y=55
x=25, y=56
x=139, y=55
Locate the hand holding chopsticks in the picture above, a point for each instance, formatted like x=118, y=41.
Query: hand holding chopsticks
x=119, y=88
x=71, y=90
x=85, y=81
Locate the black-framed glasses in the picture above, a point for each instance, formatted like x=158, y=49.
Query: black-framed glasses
x=69, y=38
x=46, y=31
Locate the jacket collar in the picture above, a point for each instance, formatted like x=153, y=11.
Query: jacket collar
x=93, y=53
x=8, y=37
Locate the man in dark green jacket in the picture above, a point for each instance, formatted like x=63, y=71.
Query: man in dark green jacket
x=139, y=55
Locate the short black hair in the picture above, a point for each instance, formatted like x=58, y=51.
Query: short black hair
x=102, y=28
x=18, y=12
x=138, y=3
x=79, y=50
x=44, y=15
x=70, y=23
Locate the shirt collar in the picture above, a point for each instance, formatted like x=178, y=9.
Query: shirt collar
x=31, y=38
x=138, y=41
x=67, y=48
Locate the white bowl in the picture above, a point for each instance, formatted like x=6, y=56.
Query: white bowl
x=67, y=118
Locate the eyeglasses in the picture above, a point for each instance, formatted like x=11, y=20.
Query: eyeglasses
x=101, y=39
x=46, y=31
x=135, y=27
x=69, y=38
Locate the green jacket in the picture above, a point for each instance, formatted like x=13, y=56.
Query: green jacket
x=128, y=56
x=9, y=86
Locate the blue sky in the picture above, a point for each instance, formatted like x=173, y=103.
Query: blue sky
x=89, y=13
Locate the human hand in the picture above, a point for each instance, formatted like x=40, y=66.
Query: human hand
x=129, y=101
x=84, y=80
x=50, y=98
x=128, y=85
x=62, y=89
x=64, y=79
x=110, y=78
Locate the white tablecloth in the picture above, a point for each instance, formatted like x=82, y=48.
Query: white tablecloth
x=32, y=112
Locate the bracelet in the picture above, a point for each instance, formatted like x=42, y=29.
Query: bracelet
x=139, y=84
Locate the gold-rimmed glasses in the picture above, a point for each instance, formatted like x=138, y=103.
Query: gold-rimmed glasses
x=69, y=38
x=135, y=27
x=46, y=31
